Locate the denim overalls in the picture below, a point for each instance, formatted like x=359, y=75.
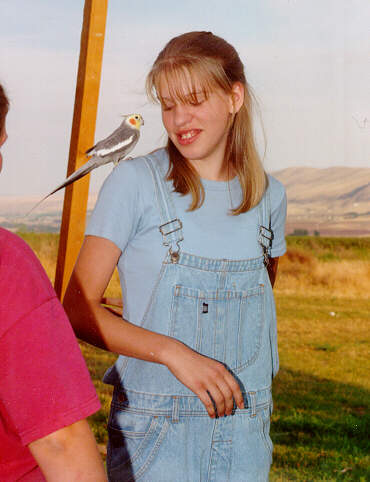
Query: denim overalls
x=159, y=430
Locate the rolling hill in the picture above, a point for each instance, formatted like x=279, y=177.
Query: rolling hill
x=333, y=202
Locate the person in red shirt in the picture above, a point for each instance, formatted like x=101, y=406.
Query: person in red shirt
x=45, y=388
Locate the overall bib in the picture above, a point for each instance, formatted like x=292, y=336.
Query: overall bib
x=159, y=430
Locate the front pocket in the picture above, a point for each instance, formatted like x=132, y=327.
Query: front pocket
x=134, y=441
x=224, y=324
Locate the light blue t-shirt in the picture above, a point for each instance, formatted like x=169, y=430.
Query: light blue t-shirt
x=127, y=213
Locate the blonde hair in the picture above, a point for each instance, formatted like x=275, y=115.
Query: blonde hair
x=214, y=63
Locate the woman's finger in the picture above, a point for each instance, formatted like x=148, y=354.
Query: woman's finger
x=218, y=399
x=235, y=388
x=228, y=396
x=207, y=402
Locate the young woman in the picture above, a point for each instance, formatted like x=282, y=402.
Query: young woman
x=196, y=230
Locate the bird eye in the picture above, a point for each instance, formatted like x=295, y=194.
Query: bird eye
x=137, y=117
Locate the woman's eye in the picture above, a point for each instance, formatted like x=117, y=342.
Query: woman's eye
x=197, y=101
x=167, y=107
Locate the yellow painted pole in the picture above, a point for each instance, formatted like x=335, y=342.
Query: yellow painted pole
x=82, y=137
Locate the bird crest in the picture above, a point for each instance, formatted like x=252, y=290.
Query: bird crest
x=135, y=121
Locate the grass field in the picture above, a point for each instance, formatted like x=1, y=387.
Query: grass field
x=321, y=394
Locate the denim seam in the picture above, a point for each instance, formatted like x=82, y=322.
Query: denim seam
x=185, y=413
x=208, y=269
x=186, y=291
x=263, y=432
x=211, y=451
x=154, y=451
x=162, y=395
x=139, y=451
x=216, y=298
x=261, y=318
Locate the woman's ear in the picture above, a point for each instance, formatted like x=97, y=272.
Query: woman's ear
x=237, y=97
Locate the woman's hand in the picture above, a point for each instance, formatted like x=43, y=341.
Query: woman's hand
x=207, y=378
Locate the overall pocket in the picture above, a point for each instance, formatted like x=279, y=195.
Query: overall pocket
x=134, y=442
x=224, y=324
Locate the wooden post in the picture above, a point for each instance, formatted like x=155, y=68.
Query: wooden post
x=82, y=137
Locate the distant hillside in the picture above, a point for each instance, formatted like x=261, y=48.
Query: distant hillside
x=45, y=218
x=332, y=201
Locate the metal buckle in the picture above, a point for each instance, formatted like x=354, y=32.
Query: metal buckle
x=266, y=237
x=267, y=234
x=166, y=233
x=174, y=255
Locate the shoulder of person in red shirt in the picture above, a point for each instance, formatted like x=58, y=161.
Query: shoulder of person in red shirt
x=24, y=282
x=44, y=381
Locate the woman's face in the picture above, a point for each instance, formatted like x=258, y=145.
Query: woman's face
x=3, y=138
x=198, y=129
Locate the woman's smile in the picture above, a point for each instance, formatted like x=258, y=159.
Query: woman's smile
x=188, y=136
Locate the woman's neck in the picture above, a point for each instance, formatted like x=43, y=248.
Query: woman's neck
x=213, y=171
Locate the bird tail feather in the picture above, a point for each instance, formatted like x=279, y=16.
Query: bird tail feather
x=75, y=176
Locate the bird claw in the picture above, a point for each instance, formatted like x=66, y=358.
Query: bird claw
x=124, y=159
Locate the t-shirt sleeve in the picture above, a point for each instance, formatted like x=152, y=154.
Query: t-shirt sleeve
x=45, y=384
x=117, y=211
x=44, y=381
x=278, y=217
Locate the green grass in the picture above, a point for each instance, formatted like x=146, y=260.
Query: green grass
x=330, y=249
x=321, y=394
x=319, y=428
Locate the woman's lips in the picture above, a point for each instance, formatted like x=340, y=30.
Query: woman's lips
x=187, y=137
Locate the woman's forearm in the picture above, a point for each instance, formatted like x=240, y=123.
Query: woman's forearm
x=100, y=327
x=94, y=323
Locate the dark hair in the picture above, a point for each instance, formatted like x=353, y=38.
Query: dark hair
x=216, y=64
x=4, y=107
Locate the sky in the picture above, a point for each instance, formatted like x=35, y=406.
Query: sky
x=306, y=60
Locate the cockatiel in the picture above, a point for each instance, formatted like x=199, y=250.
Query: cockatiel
x=111, y=149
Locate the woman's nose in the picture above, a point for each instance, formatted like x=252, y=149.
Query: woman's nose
x=182, y=115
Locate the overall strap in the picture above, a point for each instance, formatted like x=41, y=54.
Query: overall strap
x=171, y=226
x=265, y=234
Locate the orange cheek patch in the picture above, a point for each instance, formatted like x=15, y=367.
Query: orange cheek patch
x=132, y=121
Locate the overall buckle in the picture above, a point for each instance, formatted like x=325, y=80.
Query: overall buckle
x=165, y=228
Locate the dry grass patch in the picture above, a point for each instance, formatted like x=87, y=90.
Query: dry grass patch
x=302, y=273
x=45, y=246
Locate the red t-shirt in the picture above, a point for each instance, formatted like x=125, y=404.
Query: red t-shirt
x=44, y=382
